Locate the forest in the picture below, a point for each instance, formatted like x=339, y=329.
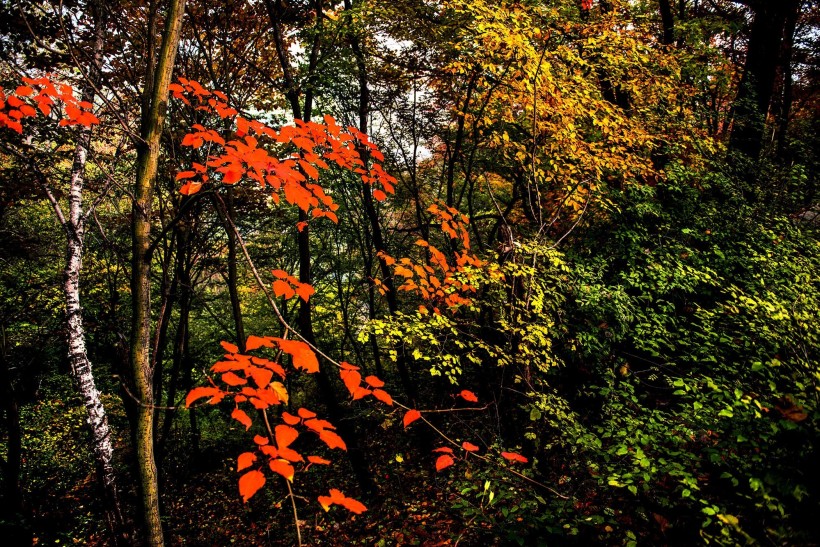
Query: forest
x=431, y=272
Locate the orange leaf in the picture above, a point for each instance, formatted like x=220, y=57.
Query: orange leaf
x=306, y=414
x=250, y=483
x=379, y=195
x=469, y=447
x=311, y=171
x=28, y=111
x=383, y=396
x=215, y=394
x=353, y=506
x=290, y=419
x=285, y=435
x=411, y=416
x=336, y=497
x=283, y=467
x=281, y=274
x=347, y=366
x=281, y=288
x=304, y=291
x=261, y=376
x=24, y=91
x=232, y=379
x=318, y=425
x=373, y=381
x=260, y=440
x=230, y=348
x=360, y=393
x=443, y=462
x=445, y=449
x=189, y=188
x=468, y=396
x=303, y=356
x=280, y=390
x=290, y=454
x=351, y=379
x=242, y=418
x=318, y=460
x=185, y=175
x=245, y=460
x=256, y=342
x=513, y=457
x=331, y=439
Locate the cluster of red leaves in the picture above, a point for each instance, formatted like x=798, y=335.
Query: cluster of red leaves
x=439, y=281
x=288, y=286
x=249, y=154
x=43, y=94
x=448, y=457
x=250, y=379
x=352, y=380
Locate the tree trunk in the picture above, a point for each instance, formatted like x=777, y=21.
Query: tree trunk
x=153, y=118
x=81, y=370
x=755, y=91
x=667, y=22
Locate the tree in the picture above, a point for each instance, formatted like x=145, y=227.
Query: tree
x=155, y=103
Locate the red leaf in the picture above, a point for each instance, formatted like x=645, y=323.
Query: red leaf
x=347, y=366
x=281, y=288
x=290, y=454
x=185, y=175
x=318, y=425
x=24, y=91
x=379, y=195
x=281, y=274
x=513, y=457
x=318, y=460
x=189, y=188
x=250, y=483
x=215, y=394
x=260, y=440
x=351, y=379
x=304, y=291
x=261, y=376
x=256, y=342
x=232, y=176
x=311, y=171
x=283, y=467
x=383, y=396
x=303, y=356
x=373, y=381
x=232, y=379
x=353, y=506
x=469, y=447
x=360, y=393
x=331, y=439
x=285, y=435
x=290, y=419
x=445, y=449
x=468, y=396
x=245, y=460
x=443, y=462
x=230, y=348
x=242, y=418
x=411, y=416
x=306, y=414
x=336, y=497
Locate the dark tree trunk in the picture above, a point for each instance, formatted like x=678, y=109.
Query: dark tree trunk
x=667, y=22
x=756, y=87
